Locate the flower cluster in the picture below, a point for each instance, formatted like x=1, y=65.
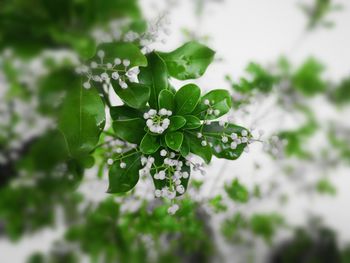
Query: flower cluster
x=157, y=122
x=119, y=70
x=116, y=31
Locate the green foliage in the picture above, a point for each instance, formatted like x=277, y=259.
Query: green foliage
x=186, y=99
x=188, y=61
x=156, y=77
x=217, y=204
x=237, y=192
x=123, y=179
x=265, y=225
x=324, y=186
x=308, y=78
x=81, y=121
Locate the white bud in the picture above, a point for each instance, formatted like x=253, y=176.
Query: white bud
x=117, y=61
x=199, y=135
x=100, y=53
x=216, y=112
x=115, y=75
x=233, y=145
x=87, y=85
x=185, y=175
x=204, y=143
x=206, y=102
x=163, y=153
x=244, y=133
x=224, y=139
x=110, y=161
x=158, y=193
x=93, y=64
x=234, y=136
x=122, y=165
x=126, y=62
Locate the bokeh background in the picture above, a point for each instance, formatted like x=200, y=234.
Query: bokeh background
x=287, y=66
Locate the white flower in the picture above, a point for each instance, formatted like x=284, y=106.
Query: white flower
x=216, y=112
x=110, y=161
x=146, y=115
x=199, y=135
x=122, y=165
x=206, y=102
x=152, y=112
x=117, y=61
x=224, y=139
x=123, y=84
x=169, y=113
x=172, y=209
x=234, y=136
x=115, y=75
x=180, y=189
x=161, y=175
x=222, y=123
x=158, y=193
x=93, y=64
x=162, y=112
x=109, y=65
x=163, y=153
x=185, y=175
x=244, y=140
x=126, y=62
x=244, y=133
x=87, y=85
x=104, y=76
x=233, y=145
x=100, y=53
x=204, y=143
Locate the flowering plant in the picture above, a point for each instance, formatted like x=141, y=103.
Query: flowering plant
x=161, y=127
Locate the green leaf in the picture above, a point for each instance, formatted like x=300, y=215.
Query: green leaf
x=81, y=120
x=192, y=122
x=123, y=51
x=130, y=130
x=186, y=99
x=149, y=144
x=185, y=147
x=135, y=96
x=166, y=100
x=189, y=61
x=176, y=122
x=214, y=132
x=124, y=113
x=122, y=180
x=198, y=149
x=237, y=192
x=174, y=140
x=219, y=100
x=155, y=76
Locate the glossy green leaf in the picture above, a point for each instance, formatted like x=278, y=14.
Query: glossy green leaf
x=186, y=99
x=135, y=96
x=176, y=122
x=149, y=144
x=219, y=99
x=81, y=120
x=192, y=122
x=166, y=100
x=214, y=132
x=122, y=180
x=120, y=50
x=185, y=147
x=124, y=113
x=130, y=130
x=189, y=61
x=197, y=148
x=155, y=76
x=174, y=140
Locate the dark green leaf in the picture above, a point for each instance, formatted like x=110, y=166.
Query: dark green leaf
x=188, y=61
x=176, y=122
x=135, y=96
x=124, y=113
x=198, y=149
x=192, y=122
x=185, y=147
x=186, y=99
x=166, y=100
x=81, y=120
x=155, y=76
x=219, y=100
x=174, y=140
x=214, y=132
x=130, y=130
x=122, y=180
x=149, y=144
